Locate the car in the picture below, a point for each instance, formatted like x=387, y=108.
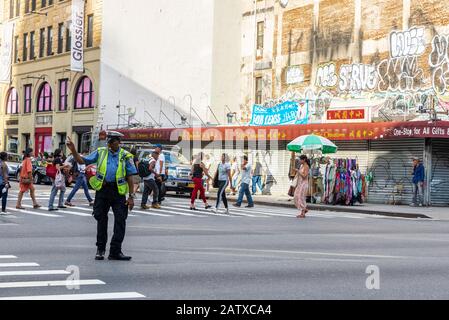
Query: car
x=14, y=161
x=178, y=171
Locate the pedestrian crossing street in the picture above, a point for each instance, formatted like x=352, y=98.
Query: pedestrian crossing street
x=49, y=283
x=172, y=207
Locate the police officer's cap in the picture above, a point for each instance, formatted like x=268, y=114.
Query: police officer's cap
x=114, y=136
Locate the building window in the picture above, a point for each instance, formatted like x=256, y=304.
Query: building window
x=27, y=6
x=90, y=31
x=17, y=8
x=30, y=4
x=63, y=94
x=25, y=48
x=32, y=54
x=44, y=102
x=85, y=96
x=27, y=98
x=42, y=43
x=260, y=34
x=12, y=106
x=16, y=49
x=68, y=36
x=258, y=97
x=60, y=37
x=49, y=41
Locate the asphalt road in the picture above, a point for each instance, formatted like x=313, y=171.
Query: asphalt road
x=262, y=253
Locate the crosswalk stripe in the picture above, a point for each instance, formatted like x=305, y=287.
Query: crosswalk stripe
x=178, y=207
x=8, y=257
x=134, y=211
x=32, y=273
x=87, y=296
x=64, y=283
x=68, y=212
x=22, y=264
x=35, y=213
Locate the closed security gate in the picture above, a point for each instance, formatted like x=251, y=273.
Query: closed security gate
x=439, y=185
x=390, y=163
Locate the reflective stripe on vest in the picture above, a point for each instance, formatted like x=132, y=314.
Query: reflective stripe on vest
x=102, y=164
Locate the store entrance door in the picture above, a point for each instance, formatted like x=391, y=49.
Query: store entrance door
x=44, y=141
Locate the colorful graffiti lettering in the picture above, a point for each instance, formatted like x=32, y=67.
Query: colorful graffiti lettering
x=327, y=76
x=357, y=77
x=439, y=60
x=400, y=74
x=407, y=43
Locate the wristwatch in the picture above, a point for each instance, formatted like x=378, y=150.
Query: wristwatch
x=132, y=195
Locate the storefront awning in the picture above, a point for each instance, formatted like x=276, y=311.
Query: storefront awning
x=332, y=131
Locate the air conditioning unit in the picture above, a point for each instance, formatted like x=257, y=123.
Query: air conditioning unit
x=259, y=53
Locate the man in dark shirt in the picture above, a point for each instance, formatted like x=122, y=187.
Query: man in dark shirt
x=418, y=183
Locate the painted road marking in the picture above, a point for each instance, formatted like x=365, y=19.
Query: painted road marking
x=14, y=265
x=35, y=213
x=8, y=257
x=92, y=296
x=64, y=283
x=32, y=273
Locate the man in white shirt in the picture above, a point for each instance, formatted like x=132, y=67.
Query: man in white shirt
x=244, y=186
x=161, y=171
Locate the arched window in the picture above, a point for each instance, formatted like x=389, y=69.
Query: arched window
x=45, y=97
x=85, y=95
x=12, y=105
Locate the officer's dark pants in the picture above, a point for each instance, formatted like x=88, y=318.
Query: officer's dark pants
x=106, y=198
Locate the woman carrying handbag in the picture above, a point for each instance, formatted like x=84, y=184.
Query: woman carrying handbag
x=26, y=180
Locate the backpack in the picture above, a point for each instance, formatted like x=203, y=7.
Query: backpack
x=144, y=168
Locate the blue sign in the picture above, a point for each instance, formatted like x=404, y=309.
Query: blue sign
x=288, y=112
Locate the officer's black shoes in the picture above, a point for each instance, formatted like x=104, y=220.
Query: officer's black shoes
x=100, y=254
x=119, y=257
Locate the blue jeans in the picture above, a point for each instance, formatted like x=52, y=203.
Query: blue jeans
x=244, y=190
x=257, y=182
x=81, y=182
x=53, y=194
x=4, y=197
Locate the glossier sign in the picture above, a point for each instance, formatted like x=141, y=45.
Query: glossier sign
x=77, y=52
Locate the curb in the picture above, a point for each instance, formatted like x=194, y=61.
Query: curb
x=339, y=209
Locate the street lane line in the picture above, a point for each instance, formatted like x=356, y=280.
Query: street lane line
x=8, y=257
x=88, y=296
x=310, y=253
x=14, y=265
x=32, y=273
x=63, y=283
x=48, y=215
x=68, y=212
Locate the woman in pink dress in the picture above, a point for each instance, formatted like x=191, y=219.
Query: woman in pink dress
x=302, y=187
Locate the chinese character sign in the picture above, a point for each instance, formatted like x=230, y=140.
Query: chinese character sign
x=289, y=112
x=342, y=115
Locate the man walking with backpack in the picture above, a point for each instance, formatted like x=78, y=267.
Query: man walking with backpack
x=147, y=170
x=79, y=170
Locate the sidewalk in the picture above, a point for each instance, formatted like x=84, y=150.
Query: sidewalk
x=437, y=213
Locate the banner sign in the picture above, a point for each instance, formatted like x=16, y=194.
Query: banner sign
x=288, y=112
x=77, y=52
x=6, y=53
x=347, y=114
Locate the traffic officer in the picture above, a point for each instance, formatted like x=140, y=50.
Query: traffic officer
x=113, y=181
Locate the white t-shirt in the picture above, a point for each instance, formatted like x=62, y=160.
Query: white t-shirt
x=223, y=171
x=246, y=174
x=158, y=164
x=151, y=176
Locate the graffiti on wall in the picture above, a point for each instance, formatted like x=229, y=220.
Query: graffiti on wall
x=357, y=77
x=439, y=61
x=326, y=76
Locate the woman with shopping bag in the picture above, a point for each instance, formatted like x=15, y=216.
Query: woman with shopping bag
x=58, y=182
x=301, y=185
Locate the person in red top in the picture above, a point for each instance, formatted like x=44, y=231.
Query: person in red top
x=26, y=180
x=197, y=173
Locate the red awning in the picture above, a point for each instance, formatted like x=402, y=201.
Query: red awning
x=332, y=131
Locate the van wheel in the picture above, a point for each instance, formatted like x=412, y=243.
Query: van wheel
x=36, y=179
